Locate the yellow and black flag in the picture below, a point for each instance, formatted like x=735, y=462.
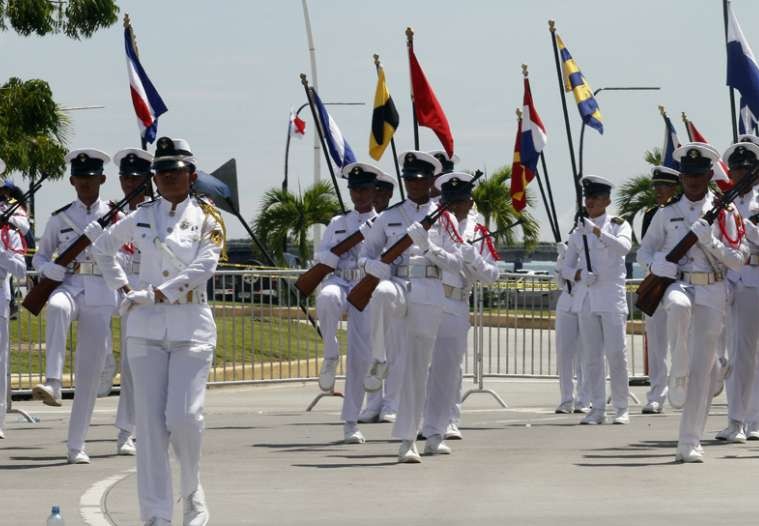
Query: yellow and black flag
x=384, y=117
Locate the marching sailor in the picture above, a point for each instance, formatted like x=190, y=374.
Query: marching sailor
x=171, y=333
x=697, y=300
x=665, y=182
x=82, y=295
x=600, y=299
x=331, y=302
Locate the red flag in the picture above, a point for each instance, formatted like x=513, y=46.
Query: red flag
x=429, y=113
x=297, y=126
x=721, y=171
x=520, y=174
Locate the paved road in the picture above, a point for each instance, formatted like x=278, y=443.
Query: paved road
x=267, y=462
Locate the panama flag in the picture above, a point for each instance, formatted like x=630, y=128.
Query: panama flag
x=148, y=104
x=339, y=149
x=534, y=136
x=742, y=69
x=297, y=126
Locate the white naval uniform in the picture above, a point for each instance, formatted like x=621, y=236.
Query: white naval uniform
x=418, y=300
x=743, y=326
x=602, y=308
x=695, y=313
x=12, y=263
x=568, y=361
x=82, y=296
x=170, y=345
x=332, y=303
x=444, y=381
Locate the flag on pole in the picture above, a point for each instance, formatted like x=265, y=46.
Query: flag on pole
x=147, y=103
x=742, y=68
x=429, y=113
x=297, y=126
x=575, y=82
x=521, y=175
x=747, y=121
x=720, y=169
x=339, y=149
x=671, y=143
x=534, y=136
x=384, y=117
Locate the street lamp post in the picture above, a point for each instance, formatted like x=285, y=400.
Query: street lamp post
x=595, y=93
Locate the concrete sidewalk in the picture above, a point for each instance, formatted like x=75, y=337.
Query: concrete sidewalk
x=267, y=462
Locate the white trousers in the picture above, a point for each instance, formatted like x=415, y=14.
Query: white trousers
x=656, y=345
x=568, y=360
x=752, y=410
x=169, y=391
x=93, y=343
x=4, y=370
x=386, y=399
x=331, y=304
x=444, y=381
x=744, y=337
x=603, y=334
x=125, y=410
x=693, y=333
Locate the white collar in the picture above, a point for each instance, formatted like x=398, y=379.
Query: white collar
x=166, y=207
x=94, y=206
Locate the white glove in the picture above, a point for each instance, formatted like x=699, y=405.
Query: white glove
x=377, y=268
x=419, y=236
x=752, y=232
x=124, y=306
x=588, y=277
x=328, y=258
x=93, y=231
x=468, y=253
x=561, y=250
x=141, y=297
x=53, y=271
x=703, y=231
x=662, y=267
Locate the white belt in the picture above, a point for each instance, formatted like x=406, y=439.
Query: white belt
x=350, y=274
x=86, y=268
x=753, y=260
x=417, y=271
x=195, y=297
x=455, y=293
x=701, y=278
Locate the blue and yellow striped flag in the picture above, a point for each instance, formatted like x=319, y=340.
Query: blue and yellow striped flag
x=575, y=82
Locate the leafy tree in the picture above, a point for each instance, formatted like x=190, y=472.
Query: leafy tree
x=74, y=18
x=284, y=216
x=493, y=200
x=637, y=193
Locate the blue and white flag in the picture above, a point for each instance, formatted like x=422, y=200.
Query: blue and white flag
x=339, y=149
x=742, y=69
x=747, y=121
x=671, y=143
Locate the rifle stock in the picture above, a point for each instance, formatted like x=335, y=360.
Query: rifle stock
x=310, y=279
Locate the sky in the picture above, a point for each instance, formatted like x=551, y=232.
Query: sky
x=228, y=71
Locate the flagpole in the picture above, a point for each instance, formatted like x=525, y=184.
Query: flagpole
x=317, y=123
x=732, y=92
x=377, y=66
x=410, y=47
x=685, y=121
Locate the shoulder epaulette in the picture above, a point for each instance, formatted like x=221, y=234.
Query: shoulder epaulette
x=148, y=203
x=61, y=209
x=672, y=200
x=617, y=220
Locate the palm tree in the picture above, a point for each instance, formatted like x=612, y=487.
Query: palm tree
x=493, y=200
x=284, y=215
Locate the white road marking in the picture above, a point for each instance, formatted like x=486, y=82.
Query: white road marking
x=91, y=503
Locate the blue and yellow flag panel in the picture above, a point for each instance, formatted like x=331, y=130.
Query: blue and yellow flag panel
x=575, y=82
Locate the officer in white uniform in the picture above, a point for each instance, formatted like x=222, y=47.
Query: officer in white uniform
x=134, y=170
x=12, y=263
x=696, y=302
x=443, y=383
x=332, y=303
x=600, y=298
x=83, y=295
x=666, y=183
x=171, y=334
x=568, y=360
x=382, y=404
x=411, y=289
x=742, y=324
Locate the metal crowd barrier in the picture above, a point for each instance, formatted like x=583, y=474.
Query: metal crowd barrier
x=264, y=336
